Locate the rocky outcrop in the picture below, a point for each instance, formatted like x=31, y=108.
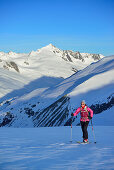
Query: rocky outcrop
x=11, y=64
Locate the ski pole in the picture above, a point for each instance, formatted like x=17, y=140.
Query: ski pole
x=93, y=132
x=71, y=131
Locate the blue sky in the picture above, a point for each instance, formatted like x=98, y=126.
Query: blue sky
x=79, y=25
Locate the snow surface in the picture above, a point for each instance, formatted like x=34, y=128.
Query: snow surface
x=50, y=149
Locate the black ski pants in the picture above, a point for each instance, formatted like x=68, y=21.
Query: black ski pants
x=84, y=126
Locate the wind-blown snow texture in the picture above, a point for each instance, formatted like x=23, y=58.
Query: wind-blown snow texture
x=49, y=148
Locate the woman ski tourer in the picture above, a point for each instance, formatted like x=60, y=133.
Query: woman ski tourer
x=86, y=114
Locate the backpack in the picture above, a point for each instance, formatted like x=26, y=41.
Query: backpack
x=89, y=117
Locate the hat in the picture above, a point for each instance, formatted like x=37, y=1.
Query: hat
x=83, y=101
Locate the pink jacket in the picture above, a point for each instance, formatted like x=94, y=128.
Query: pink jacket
x=84, y=113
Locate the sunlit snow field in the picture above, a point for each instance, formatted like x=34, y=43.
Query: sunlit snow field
x=49, y=148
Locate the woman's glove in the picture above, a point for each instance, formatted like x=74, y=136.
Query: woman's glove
x=90, y=117
x=72, y=114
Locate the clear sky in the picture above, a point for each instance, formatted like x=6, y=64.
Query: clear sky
x=79, y=25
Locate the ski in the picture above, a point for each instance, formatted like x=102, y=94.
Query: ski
x=79, y=142
x=82, y=142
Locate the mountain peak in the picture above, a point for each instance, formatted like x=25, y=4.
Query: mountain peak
x=50, y=46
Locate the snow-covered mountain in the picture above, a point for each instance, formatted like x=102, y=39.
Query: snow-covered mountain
x=46, y=61
x=39, y=69
x=53, y=106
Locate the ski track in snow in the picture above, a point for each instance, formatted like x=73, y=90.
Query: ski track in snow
x=49, y=148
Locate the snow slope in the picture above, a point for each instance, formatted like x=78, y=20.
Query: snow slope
x=105, y=118
x=53, y=106
x=49, y=148
x=10, y=81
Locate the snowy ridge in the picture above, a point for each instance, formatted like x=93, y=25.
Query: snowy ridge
x=47, y=58
x=53, y=106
